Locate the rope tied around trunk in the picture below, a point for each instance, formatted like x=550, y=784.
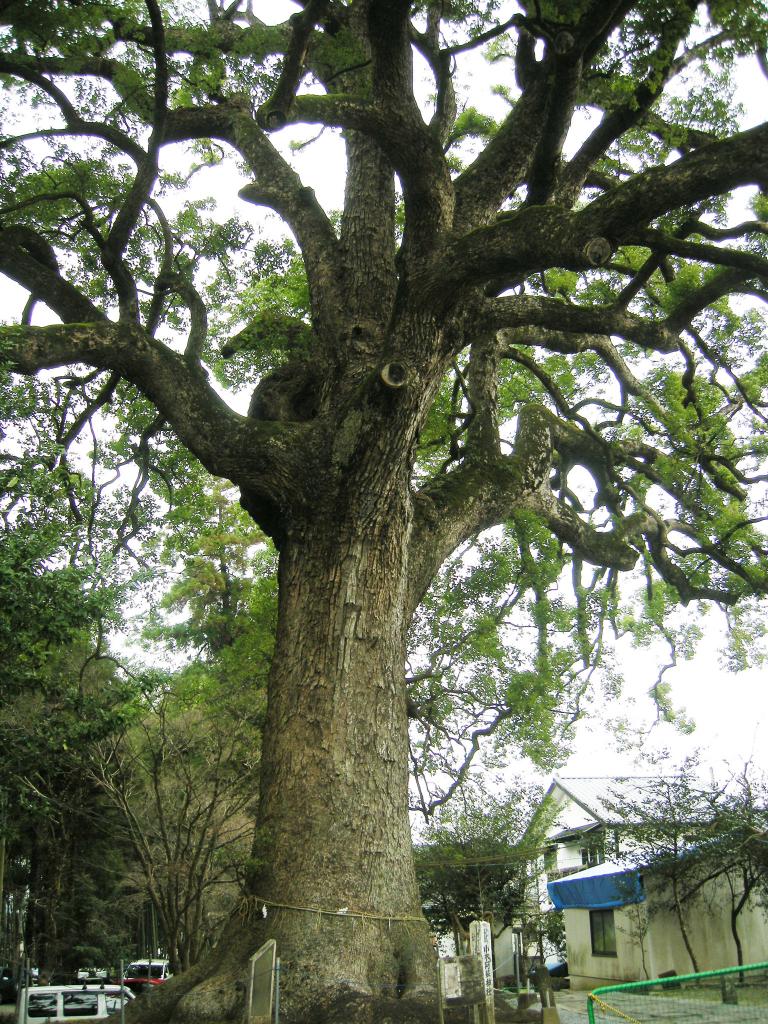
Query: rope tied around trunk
x=352, y=915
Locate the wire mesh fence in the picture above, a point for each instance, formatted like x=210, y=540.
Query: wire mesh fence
x=736, y=995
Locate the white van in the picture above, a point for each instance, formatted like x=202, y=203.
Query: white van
x=69, y=1002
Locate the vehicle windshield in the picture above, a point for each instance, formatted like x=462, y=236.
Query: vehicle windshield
x=142, y=971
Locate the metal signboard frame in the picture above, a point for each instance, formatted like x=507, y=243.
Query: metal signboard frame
x=260, y=994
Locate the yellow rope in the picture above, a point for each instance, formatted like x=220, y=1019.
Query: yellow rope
x=613, y=1009
x=335, y=913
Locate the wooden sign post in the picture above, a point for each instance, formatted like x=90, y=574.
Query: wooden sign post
x=481, y=946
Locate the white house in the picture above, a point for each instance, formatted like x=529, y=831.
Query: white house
x=618, y=921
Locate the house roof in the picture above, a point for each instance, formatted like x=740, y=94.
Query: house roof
x=593, y=799
x=572, y=833
x=595, y=795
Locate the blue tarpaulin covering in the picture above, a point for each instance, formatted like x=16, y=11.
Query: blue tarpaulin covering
x=597, y=888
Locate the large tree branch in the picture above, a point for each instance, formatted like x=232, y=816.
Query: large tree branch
x=723, y=282
x=537, y=237
x=572, y=344
x=30, y=71
x=517, y=311
x=482, y=393
x=278, y=187
x=504, y=162
x=368, y=241
x=274, y=113
x=146, y=174
x=414, y=150
x=253, y=454
x=620, y=119
x=710, y=170
x=441, y=64
x=27, y=258
x=750, y=264
x=566, y=82
x=488, y=491
x=525, y=241
x=222, y=35
x=532, y=134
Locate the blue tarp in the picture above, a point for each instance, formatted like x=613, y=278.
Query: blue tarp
x=597, y=891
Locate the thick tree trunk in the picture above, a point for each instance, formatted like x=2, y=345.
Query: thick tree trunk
x=333, y=866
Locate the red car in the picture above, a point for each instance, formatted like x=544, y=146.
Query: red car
x=143, y=974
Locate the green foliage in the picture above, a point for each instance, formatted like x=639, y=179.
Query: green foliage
x=220, y=607
x=473, y=861
x=499, y=651
x=272, y=303
x=61, y=697
x=472, y=15
x=42, y=608
x=181, y=777
x=699, y=844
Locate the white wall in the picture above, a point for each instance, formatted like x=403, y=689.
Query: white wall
x=708, y=922
x=504, y=955
x=649, y=941
x=588, y=971
x=569, y=855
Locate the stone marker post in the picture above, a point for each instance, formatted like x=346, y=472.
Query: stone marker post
x=549, y=1014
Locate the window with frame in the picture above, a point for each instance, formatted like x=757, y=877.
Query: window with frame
x=603, y=932
x=41, y=1004
x=593, y=853
x=81, y=1004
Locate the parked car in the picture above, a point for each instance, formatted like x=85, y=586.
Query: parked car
x=7, y=985
x=143, y=974
x=556, y=965
x=92, y=973
x=69, y=1002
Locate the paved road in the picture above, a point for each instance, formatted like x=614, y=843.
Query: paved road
x=572, y=1009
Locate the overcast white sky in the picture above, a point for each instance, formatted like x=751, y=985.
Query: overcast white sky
x=730, y=711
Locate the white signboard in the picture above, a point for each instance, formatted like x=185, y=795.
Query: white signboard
x=451, y=980
x=460, y=982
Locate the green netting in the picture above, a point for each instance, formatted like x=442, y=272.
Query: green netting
x=736, y=995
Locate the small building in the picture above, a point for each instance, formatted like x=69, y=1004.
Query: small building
x=620, y=922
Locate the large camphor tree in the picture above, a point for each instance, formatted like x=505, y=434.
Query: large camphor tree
x=546, y=317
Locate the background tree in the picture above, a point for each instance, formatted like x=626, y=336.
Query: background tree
x=523, y=318
x=183, y=773
x=62, y=891
x=699, y=841
x=740, y=845
x=219, y=610
x=182, y=779
x=63, y=691
x=662, y=826
x=471, y=864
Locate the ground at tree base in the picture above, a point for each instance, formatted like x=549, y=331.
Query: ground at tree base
x=352, y=1008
